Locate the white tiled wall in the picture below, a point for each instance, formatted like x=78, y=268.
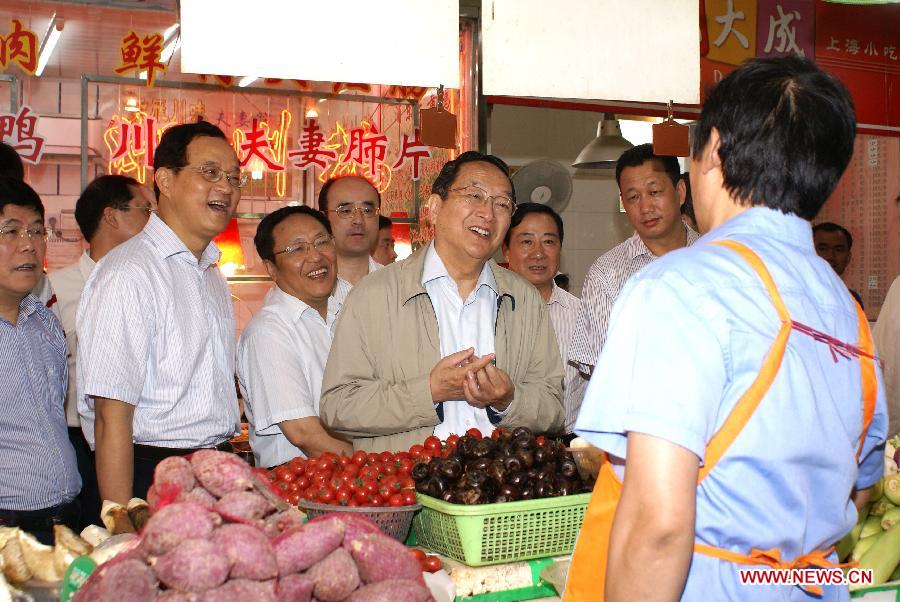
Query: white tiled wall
x=592, y=220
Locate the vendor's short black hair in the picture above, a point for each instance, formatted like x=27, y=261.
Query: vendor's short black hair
x=14, y=191
x=172, y=149
x=106, y=191
x=264, y=241
x=10, y=162
x=527, y=208
x=786, y=132
x=444, y=181
x=832, y=227
x=640, y=154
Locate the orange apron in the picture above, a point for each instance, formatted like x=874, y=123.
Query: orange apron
x=587, y=573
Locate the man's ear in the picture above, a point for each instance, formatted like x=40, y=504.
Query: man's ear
x=681, y=191
x=271, y=270
x=434, y=205
x=163, y=178
x=711, y=158
x=110, y=217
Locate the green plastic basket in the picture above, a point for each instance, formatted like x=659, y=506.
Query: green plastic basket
x=496, y=533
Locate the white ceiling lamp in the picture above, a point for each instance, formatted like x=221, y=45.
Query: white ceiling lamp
x=54, y=31
x=603, y=151
x=247, y=80
x=171, y=40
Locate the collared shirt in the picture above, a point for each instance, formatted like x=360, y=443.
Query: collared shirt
x=36, y=458
x=564, y=308
x=43, y=290
x=686, y=340
x=281, y=359
x=887, y=341
x=156, y=330
x=602, y=285
x=461, y=324
x=69, y=284
x=341, y=291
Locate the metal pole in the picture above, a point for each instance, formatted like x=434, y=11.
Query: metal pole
x=84, y=131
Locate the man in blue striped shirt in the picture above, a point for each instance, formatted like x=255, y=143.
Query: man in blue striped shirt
x=40, y=477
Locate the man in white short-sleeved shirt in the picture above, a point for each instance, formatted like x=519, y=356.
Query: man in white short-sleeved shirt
x=282, y=352
x=652, y=194
x=156, y=325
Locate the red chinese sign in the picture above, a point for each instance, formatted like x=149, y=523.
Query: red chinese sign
x=19, y=46
x=311, y=148
x=18, y=131
x=132, y=141
x=412, y=150
x=861, y=46
x=141, y=54
x=858, y=44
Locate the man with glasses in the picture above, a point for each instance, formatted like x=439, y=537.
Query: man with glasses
x=383, y=252
x=446, y=340
x=111, y=210
x=352, y=205
x=40, y=475
x=282, y=352
x=156, y=325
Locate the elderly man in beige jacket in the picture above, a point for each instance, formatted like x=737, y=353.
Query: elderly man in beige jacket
x=446, y=340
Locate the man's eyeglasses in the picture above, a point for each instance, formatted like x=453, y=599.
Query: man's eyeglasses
x=214, y=173
x=477, y=197
x=11, y=234
x=302, y=248
x=347, y=211
x=148, y=210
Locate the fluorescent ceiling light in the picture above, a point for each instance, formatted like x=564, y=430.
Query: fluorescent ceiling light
x=171, y=39
x=49, y=44
x=247, y=80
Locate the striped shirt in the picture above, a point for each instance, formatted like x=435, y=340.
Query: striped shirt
x=563, y=307
x=36, y=459
x=342, y=289
x=281, y=360
x=601, y=287
x=156, y=330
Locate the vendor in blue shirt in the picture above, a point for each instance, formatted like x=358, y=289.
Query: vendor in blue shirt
x=37, y=462
x=737, y=393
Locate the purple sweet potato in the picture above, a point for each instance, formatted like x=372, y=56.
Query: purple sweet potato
x=278, y=523
x=298, y=549
x=173, y=524
x=249, y=551
x=380, y=557
x=221, y=472
x=335, y=576
x=391, y=590
x=194, y=565
x=173, y=595
x=243, y=506
x=295, y=588
x=152, y=499
x=198, y=495
x=130, y=580
x=241, y=590
x=354, y=526
x=174, y=472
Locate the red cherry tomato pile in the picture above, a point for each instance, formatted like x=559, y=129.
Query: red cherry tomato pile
x=361, y=479
x=358, y=480
x=429, y=563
